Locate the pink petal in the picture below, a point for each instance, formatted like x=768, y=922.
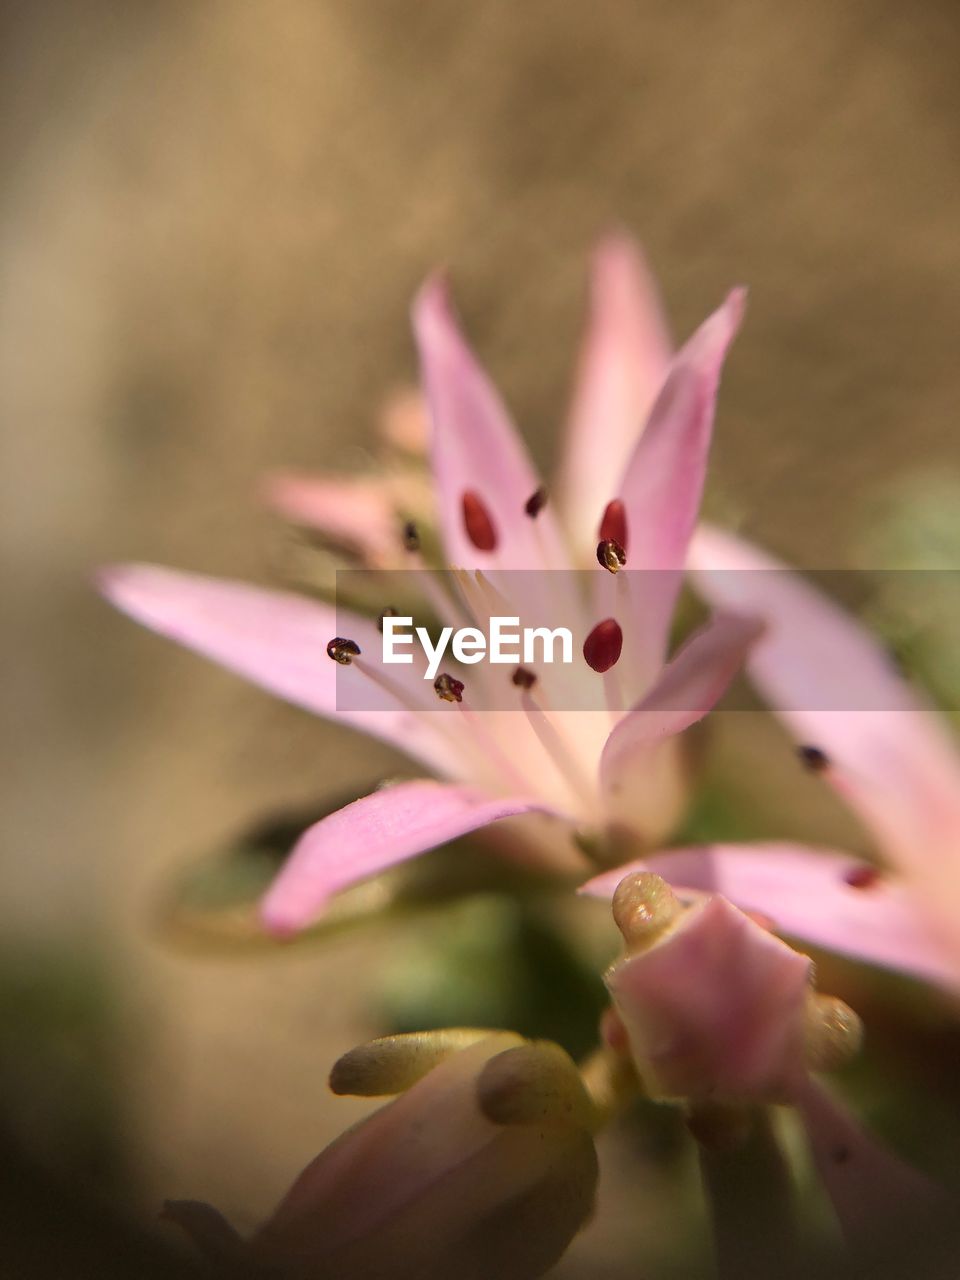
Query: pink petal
x=358, y=513
x=689, y=687
x=623, y=361
x=805, y=894
x=835, y=687
x=715, y=1009
x=279, y=640
x=476, y=450
x=874, y=1194
x=663, y=481
x=371, y=834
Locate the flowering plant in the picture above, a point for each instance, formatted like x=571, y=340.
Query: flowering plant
x=710, y=1010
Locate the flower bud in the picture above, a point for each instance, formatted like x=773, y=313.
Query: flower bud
x=483, y=1165
x=714, y=1006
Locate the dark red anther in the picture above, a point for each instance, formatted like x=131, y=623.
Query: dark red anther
x=601, y=649
x=814, y=759
x=343, y=651
x=411, y=537
x=478, y=522
x=524, y=678
x=611, y=556
x=613, y=526
x=389, y=612
x=535, y=503
x=862, y=877
x=448, y=688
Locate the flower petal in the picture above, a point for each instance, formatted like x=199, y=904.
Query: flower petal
x=278, y=640
x=663, y=482
x=476, y=451
x=874, y=1194
x=371, y=834
x=889, y=755
x=623, y=361
x=806, y=894
x=642, y=778
x=689, y=686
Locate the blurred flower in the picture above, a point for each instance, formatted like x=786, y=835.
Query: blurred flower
x=886, y=752
x=548, y=749
x=719, y=1015
x=483, y=1165
x=362, y=513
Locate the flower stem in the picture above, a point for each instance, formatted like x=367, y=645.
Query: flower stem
x=749, y=1191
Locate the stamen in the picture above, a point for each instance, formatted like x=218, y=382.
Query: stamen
x=536, y=502
x=407, y=699
x=523, y=678
x=613, y=525
x=478, y=522
x=814, y=759
x=389, y=612
x=343, y=651
x=448, y=688
x=411, y=537
x=488, y=746
x=611, y=555
x=603, y=645
x=555, y=747
x=862, y=877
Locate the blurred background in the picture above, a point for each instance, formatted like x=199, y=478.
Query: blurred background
x=212, y=219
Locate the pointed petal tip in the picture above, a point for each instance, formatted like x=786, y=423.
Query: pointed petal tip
x=432, y=303
x=273, y=488
x=105, y=578
x=616, y=247
x=733, y=308
x=279, y=921
x=121, y=583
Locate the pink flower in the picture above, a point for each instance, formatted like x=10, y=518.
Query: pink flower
x=635, y=488
x=871, y=737
x=482, y=1165
x=717, y=1013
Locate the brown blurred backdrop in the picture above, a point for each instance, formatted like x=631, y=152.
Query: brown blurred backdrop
x=212, y=218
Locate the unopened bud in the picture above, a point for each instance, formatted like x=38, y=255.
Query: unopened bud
x=392, y=1064
x=644, y=907
x=833, y=1033
x=536, y=1083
